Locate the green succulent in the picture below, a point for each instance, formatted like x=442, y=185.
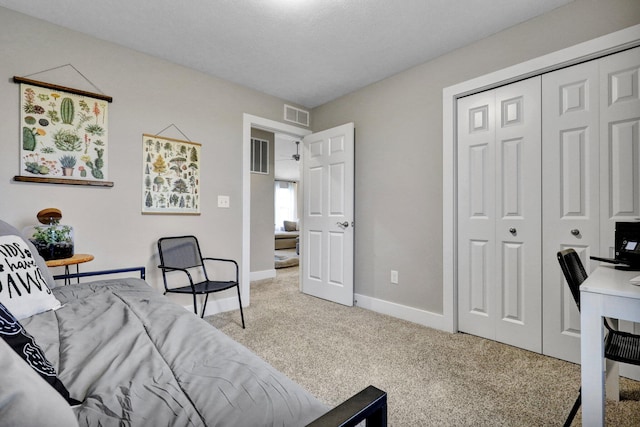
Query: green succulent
x=67, y=140
x=94, y=130
x=67, y=161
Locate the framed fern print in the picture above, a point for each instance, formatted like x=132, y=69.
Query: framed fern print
x=171, y=176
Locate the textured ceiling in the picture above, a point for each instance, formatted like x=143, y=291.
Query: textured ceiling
x=305, y=51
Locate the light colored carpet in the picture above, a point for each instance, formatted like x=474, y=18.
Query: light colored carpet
x=432, y=378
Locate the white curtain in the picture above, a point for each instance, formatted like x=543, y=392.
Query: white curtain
x=286, y=204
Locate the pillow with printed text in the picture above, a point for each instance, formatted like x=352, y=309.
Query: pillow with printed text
x=23, y=289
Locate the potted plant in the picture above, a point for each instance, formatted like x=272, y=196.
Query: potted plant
x=53, y=241
x=67, y=162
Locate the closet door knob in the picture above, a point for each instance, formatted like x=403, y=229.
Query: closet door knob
x=512, y=230
x=575, y=232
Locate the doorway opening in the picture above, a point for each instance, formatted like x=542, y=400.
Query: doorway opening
x=286, y=173
x=249, y=122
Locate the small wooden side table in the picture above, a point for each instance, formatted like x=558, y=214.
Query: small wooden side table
x=66, y=262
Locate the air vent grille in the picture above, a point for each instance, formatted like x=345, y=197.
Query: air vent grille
x=296, y=115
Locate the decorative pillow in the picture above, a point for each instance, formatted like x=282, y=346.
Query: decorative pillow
x=26, y=399
x=22, y=343
x=9, y=230
x=23, y=289
x=290, y=225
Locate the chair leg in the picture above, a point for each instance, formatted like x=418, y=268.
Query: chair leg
x=240, y=302
x=195, y=304
x=204, y=306
x=574, y=410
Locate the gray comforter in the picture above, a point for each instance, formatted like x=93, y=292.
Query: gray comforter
x=136, y=359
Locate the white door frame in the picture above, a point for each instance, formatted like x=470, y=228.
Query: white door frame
x=592, y=49
x=249, y=121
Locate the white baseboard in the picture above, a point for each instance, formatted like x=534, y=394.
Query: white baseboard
x=411, y=314
x=215, y=306
x=260, y=275
x=415, y=315
x=219, y=305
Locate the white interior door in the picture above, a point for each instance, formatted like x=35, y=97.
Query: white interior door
x=499, y=218
x=518, y=214
x=619, y=143
x=328, y=214
x=620, y=156
x=591, y=117
x=571, y=196
x=476, y=214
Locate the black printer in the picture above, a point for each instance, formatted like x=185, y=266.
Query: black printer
x=628, y=244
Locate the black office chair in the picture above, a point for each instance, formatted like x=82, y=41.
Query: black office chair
x=619, y=346
x=183, y=254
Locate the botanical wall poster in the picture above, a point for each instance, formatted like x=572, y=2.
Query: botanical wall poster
x=171, y=176
x=64, y=135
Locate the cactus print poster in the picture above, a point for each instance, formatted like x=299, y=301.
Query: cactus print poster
x=63, y=135
x=171, y=176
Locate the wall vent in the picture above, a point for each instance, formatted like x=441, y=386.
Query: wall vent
x=296, y=115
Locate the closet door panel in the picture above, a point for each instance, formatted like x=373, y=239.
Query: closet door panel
x=570, y=184
x=518, y=220
x=623, y=172
x=620, y=155
x=620, y=137
x=476, y=215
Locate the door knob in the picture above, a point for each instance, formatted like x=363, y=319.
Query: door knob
x=512, y=230
x=575, y=232
x=343, y=224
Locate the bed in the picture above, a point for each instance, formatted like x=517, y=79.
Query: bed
x=127, y=355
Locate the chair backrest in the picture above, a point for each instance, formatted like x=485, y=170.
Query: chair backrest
x=180, y=252
x=573, y=271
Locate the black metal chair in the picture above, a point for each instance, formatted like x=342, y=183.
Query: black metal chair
x=619, y=346
x=183, y=254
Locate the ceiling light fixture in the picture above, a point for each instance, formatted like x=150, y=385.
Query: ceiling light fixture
x=296, y=156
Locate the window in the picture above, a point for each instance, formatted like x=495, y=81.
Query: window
x=259, y=155
x=286, y=205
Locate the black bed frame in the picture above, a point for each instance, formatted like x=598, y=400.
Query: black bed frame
x=368, y=405
x=70, y=276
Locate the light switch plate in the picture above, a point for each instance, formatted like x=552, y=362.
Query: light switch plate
x=394, y=277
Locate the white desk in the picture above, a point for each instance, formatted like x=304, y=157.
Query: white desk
x=606, y=293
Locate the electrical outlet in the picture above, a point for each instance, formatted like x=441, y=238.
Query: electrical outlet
x=223, y=201
x=394, y=277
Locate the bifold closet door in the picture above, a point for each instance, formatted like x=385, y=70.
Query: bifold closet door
x=620, y=156
x=571, y=204
x=499, y=216
x=619, y=143
x=591, y=179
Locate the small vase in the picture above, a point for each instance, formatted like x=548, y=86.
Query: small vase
x=67, y=171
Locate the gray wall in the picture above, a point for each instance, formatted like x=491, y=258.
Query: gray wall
x=262, y=211
x=148, y=94
x=398, y=155
x=399, y=146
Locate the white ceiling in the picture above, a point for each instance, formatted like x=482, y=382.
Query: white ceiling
x=286, y=167
x=308, y=52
